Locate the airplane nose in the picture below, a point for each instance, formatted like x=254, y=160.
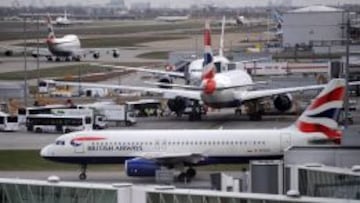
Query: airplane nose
x=45, y=151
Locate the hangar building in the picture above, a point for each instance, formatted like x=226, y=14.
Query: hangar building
x=305, y=25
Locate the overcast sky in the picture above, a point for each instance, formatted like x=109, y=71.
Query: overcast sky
x=185, y=3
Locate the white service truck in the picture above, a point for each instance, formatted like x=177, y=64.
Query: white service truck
x=113, y=112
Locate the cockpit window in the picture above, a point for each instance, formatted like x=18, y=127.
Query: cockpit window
x=60, y=142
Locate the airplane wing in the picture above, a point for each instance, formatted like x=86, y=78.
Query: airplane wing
x=11, y=50
x=257, y=94
x=199, y=88
x=172, y=158
x=166, y=93
x=42, y=52
x=143, y=69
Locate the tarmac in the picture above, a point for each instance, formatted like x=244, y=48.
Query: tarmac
x=216, y=120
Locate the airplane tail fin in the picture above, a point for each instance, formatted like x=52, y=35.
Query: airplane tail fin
x=208, y=65
x=51, y=34
x=322, y=115
x=276, y=16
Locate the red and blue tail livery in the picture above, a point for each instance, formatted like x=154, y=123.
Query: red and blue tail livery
x=51, y=34
x=323, y=113
x=208, y=65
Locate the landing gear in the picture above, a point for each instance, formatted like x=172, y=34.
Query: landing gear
x=195, y=114
x=57, y=59
x=238, y=111
x=49, y=58
x=67, y=59
x=255, y=110
x=76, y=58
x=186, y=176
x=82, y=175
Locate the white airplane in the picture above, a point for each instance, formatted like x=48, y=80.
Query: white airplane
x=145, y=151
x=242, y=20
x=63, y=21
x=228, y=89
x=67, y=47
x=192, y=75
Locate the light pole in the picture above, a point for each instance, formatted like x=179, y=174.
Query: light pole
x=346, y=71
x=37, y=50
x=25, y=64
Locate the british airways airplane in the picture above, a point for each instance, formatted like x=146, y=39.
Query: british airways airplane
x=67, y=47
x=145, y=151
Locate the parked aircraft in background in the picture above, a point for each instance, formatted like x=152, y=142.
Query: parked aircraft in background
x=65, y=21
x=67, y=47
x=145, y=151
x=192, y=75
x=218, y=89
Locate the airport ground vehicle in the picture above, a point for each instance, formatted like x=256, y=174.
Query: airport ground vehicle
x=58, y=123
x=144, y=107
x=8, y=122
x=23, y=113
x=97, y=119
x=112, y=112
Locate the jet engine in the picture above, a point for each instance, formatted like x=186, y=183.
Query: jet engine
x=283, y=102
x=140, y=167
x=167, y=80
x=96, y=55
x=177, y=105
x=8, y=53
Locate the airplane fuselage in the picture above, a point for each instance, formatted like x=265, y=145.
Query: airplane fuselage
x=216, y=146
x=66, y=46
x=227, y=98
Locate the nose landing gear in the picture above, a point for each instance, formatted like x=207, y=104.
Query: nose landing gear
x=82, y=175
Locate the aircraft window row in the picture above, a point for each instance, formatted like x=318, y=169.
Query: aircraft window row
x=216, y=143
x=121, y=143
x=184, y=143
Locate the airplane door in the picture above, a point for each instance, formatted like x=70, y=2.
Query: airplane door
x=160, y=145
x=285, y=141
x=157, y=145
